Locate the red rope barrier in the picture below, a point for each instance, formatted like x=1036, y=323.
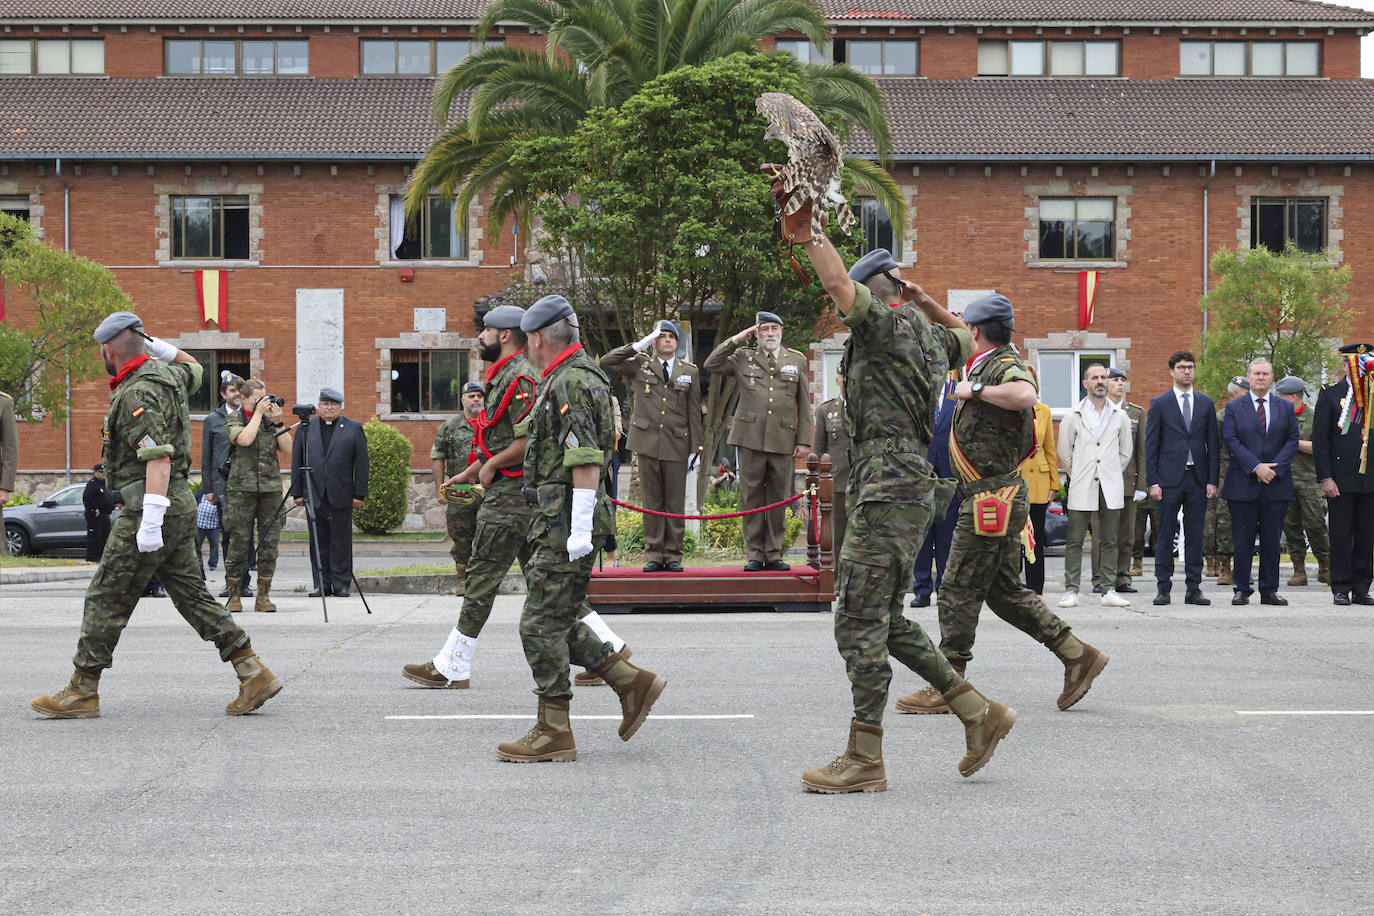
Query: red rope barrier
x=776, y=505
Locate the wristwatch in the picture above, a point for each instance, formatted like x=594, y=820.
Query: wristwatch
x=977, y=390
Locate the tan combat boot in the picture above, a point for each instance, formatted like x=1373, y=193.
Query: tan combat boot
x=235, y=602
x=462, y=588
x=1324, y=569
x=427, y=675
x=637, y=688
x=1224, y=576
x=1135, y=570
x=551, y=738
x=1211, y=570
x=78, y=700
x=591, y=678
x=257, y=683
x=986, y=722
x=859, y=769
x=1299, y=576
x=263, y=604
x=1082, y=663
x=929, y=701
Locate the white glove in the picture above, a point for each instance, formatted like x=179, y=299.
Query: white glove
x=693, y=461
x=647, y=341
x=161, y=350
x=580, y=541
x=1139, y=495
x=149, y=537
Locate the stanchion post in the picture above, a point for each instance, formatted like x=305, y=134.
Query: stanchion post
x=813, y=479
x=827, y=506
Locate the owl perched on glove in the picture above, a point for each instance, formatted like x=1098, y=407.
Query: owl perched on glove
x=812, y=172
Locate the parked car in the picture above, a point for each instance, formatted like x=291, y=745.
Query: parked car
x=1056, y=524
x=56, y=521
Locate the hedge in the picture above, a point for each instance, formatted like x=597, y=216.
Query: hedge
x=388, y=478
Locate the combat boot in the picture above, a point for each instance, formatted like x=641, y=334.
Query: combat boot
x=638, y=689
x=1082, y=663
x=1324, y=569
x=986, y=722
x=451, y=668
x=1211, y=570
x=591, y=678
x=1299, y=576
x=257, y=683
x=1135, y=570
x=1224, y=576
x=929, y=701
x=235, y=602
x=462, y=588
x=80, y=699
x=263, y=604
x=859, y=769
x=551, y=738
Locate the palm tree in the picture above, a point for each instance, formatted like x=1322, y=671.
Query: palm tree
x=598, y=54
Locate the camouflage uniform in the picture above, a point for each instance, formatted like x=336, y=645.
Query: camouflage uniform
x=832, y=436
x=1307, y=513
x=503, y=519
x=1216, y=524
x=149, y=419
x=895, y=363
x=994, y=441
x=254, y=494
x=572, y=425
x=453, y=445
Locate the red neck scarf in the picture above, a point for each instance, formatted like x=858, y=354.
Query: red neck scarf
x=1301, y=408
x=496, y=366
x=128, y=369
x=977, y=358
x=561, y=358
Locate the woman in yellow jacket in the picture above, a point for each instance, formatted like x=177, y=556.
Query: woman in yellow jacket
x=1041, y=472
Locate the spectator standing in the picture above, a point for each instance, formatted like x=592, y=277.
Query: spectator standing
x=214, y=469
x=1346, y=473
x=99, y=506
x=1216, y=538
x=1041, y=472
x=258, y=441
x=207, y=526
x=1305, y=523
x=832, y=438
x=1133, y=485
x=935, y=547
x=448, y=458
x=334, y=448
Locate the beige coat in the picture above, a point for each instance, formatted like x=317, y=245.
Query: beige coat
x=1096, y=462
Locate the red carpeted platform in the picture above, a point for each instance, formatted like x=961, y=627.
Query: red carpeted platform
x=704, y=572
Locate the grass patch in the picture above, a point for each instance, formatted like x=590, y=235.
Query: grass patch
x=9, y=562
x=435, y=536
x=421, y=569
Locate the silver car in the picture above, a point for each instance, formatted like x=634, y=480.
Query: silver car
x=56, y=521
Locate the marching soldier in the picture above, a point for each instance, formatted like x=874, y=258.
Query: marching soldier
x=832, y=436
x=449, y=458
x=1345, y=468
x=665, y=432
x=1305, y=523
x=771, y=428
x=1133, y=476
x=1216, y=524
x=147, y=454
x=571, y=434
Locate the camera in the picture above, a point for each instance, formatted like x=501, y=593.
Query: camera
x=280, y=402
x=304, y=411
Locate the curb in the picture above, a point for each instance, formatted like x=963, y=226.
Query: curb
x=47, y=575
x=432, y=584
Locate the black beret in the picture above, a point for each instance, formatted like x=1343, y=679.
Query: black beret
x=473, y=388
x=1114, y=372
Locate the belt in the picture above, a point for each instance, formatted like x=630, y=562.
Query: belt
x=969, y=488
x=869, y=447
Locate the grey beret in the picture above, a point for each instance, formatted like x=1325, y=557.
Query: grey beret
x=877, y=261
x=503, y=317
x=330, y=394
x=115, y=324
x=767, y=318
x=1115, y=373
x=666, y=325
x=1290, y=384
x=1241, y=381
x=473, y=388
x=994, y=307
x=544, y=313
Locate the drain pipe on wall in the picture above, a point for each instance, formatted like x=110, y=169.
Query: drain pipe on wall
x=1206, y=265
x=67, y=246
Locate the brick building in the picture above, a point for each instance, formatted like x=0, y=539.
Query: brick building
x=1034, y=140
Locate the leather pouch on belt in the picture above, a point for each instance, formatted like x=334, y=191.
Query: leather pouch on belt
x=992, y=512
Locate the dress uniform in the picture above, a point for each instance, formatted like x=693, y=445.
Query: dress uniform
x=1133, y=486
x=452, y=445
x=147, y=433
x=665, y=432
x=1345, y=468
x=772, y=419
x=1305, y=523
x=832, y=437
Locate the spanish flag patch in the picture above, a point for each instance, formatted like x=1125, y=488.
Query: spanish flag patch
x=562, y=410
x=138, y=411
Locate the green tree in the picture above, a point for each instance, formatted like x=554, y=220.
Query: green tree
x=388, y=479
x=1287, y=307
x=55, y=299
x=598, y=54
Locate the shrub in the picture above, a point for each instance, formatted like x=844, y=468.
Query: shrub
x=629, y=530
x=388, y=478
x=728, y=533
x=19, y=499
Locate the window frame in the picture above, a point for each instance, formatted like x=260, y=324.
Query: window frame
x=882, y=55
x=33, y=70
x=176, y=231
x=818, y=55
x=1047, y=58
x=1081, y=359
x=1249, y=45
x=1109, y=257
x=15, y=204
x=473, y=47
x=425, y=239
x=1290, y=205
x=425, y=359
x=870, y=242
x=211, y=361
x=238, y=58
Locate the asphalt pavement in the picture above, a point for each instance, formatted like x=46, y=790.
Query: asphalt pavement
x=1219, y=765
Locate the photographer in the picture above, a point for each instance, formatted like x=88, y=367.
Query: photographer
x=257, y=439
x=214, y=467
x=334, y=448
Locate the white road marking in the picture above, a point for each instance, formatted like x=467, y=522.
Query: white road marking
x=1305, y=712
x=502, y=716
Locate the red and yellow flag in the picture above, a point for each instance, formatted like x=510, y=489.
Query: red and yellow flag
x=212, y=290
x=1087, y=296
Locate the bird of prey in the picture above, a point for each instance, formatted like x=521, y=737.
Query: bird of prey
x=813, y=159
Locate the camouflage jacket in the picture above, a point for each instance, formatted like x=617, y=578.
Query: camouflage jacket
x=570, y=426
x=1304, y=465
x=253, y=468
x=1221, y=442
x=993, y=439
x=150, y=418
x=511, y=382
x=453, y=444
x=832, y=436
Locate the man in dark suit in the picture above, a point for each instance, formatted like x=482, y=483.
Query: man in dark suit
x=214, y=450
x=1181, y=468
x=335, y=450
x=941, y=533
x=1261, y=433
x=1349, y=490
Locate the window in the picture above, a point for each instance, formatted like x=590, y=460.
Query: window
x=210, y=228
x=1049, y=58
x=882, y=58
x=439, y=231
x=427, y=381
x=1275, y=221
x=215, y=362
x=804, y=50
x=54, y=57
x=415, y=57
x=1249, y=58
x=1078, y=229
x=877, y=226
x=1061, y=375
x=227, y=57
x=15, y=206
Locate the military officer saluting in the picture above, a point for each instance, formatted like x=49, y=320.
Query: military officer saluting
x=147, y=457
x=1305, y=523
x=448, y=458
x=665, y=432
x=832, y=437
x=771, y=428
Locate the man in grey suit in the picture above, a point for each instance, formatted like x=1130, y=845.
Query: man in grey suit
x=335, y=450
x=214, y=451
x=665, y=432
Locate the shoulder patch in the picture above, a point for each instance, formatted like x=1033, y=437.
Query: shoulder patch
x=138, y=411
x=563, y=409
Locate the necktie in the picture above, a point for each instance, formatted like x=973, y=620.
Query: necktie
x=665, y=372
x=1188, y=418
x=1259, y=415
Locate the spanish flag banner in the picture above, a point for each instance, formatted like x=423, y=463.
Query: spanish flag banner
x=212, y=289
x=1087, y=295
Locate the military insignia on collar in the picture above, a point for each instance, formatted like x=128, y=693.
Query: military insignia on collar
x=138, y=411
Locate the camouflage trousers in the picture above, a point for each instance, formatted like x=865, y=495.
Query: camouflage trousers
x=243, y=513
x=989, y=569
x=461, y=522
x=556, y=600
x=875, y=566
x=120, y=580
x=1216, y=528
x=1305, y=524
x=499, y=538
